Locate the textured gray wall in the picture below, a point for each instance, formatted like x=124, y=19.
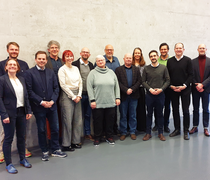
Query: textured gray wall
x=95, y=23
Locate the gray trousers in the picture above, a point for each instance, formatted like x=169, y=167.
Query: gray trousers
x=71, y=116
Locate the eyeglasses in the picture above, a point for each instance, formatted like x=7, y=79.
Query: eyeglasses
x=109, y=49
x=85, y=52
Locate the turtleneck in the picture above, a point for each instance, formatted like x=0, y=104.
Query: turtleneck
x=202, y=62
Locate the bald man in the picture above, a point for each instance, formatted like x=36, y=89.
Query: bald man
x=129, y=81
x=201, y=89
x=85, y=67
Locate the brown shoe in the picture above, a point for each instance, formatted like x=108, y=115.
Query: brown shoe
x=122, y=137
x=147, y=137
x=162, y=138
x=89, y=137
x=133, y=136
x=193, y=130
x=206, y=132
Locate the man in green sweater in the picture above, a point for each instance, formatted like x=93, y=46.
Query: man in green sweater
x=155, y=79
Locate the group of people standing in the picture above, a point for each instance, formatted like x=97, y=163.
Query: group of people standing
x=63, y=94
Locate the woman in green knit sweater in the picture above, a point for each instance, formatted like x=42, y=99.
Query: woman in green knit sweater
x=104, y=95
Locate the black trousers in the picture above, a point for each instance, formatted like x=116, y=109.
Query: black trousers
x=18, y=123
x=103, y=117
x=185, y=101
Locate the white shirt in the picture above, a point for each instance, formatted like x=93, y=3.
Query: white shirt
x=18, y=87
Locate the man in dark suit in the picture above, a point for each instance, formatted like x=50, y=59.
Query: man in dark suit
x=43, y=92
x=85, y=67
x=201, y=89
x=129, y=81
x=13, y=51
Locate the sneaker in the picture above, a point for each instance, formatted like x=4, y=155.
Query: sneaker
x=25, y=163
x=59, y=153
x=110, y=141
x=11, y=169
x=1, y=157
x=45, y=156
x=27, y=153
x=96, y=142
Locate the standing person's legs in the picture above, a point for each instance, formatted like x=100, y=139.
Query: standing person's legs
x=196, y=105
x=132, y=114
x=123, y=116
x=1, y=144
x=109, y=114
x=98, y=122
x=205, y=106
x=167, y=109
x=175, y=106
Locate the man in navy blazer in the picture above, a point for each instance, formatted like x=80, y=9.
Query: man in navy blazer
x=13, y=51
x=201, y=89
x=43, y=91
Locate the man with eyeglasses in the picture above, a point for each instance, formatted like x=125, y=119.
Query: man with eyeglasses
x=85, y=67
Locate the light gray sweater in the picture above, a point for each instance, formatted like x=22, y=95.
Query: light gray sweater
x=103, y=87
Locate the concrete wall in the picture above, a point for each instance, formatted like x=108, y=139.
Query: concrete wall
x=95, y=23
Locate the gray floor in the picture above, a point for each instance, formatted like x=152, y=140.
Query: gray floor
x=175, y=158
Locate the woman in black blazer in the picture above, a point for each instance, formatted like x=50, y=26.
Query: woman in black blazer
x=14, y=110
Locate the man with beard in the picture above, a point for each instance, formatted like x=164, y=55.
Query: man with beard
x=155, y=79
x=85, y=67
x=13, y=51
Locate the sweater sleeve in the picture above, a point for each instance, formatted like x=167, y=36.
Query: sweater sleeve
x=144, y=79
x=167, y=79
x=116, y=88
x=90, y=86
x=189, y=72
x=62, y=76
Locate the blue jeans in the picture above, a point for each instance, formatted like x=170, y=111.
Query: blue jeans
x=86, y=113
x=52, y=117
x=204, y=96
x=155, y=102
x=130, y=105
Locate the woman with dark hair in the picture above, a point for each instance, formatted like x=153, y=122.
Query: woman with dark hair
x=71, y=112
x=138, y=61
x=14, y=110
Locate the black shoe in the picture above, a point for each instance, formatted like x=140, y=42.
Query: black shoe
x=117, y=132
x=186, y=135
x=96, y=142
x=166, y=129
x=176, y=132
x=155, y=128
x=68, y=148
x=76, y=146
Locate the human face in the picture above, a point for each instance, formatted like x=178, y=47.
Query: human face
x=69, y=59
x=202, y=49
x=109, y=51
x=164, y=51
x=54, y=50
x=137, y=54
x=85, y=54
x=128, y=60
x=101, y=63
x=13, y=51
x=41, y=60
x=179, y=50
x=11, y=66
x=153, y=57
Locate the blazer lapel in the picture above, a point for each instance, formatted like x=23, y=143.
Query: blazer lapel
x=47, y=76
x=10, y=84
x=125, y=75
x=197, y=70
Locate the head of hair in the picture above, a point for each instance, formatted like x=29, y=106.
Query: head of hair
x=40, y=52
x=153, y=51
x=12, y=43
x=141, y=60
x=179, y=43
x=99, y=57
x=164, y=44
x=18, y=65
x=53, y=42
x=67, y=53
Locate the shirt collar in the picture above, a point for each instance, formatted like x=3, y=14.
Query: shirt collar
x=40, y=68
x=81, y=62
x=164, y=59
x=179, y=58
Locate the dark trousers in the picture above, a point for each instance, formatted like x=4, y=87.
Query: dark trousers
x=103, y=117
x=52, y=117
x=204, y=96
x=86, y=112
x=141, y=111
x=155, y=102
x=18, y=123
x=167, y=109
x=185, y=100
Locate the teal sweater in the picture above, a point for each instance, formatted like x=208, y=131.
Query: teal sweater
x=103, y=87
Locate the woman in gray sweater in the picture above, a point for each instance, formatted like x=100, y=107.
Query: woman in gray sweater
x=104, y=95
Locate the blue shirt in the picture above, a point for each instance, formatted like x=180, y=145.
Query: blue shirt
x=112, y=65
x=56, y=65
x=129, y=74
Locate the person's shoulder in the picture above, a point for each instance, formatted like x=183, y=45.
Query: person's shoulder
x=76, y=62
x=187, y=58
